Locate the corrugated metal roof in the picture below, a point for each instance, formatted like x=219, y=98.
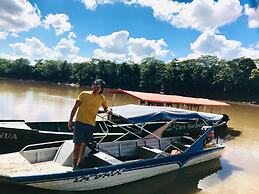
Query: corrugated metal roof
x=170, y=99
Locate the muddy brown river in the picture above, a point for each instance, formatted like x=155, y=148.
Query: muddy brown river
x=237, y=171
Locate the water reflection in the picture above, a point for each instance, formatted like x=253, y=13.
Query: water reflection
x=183, y=181
x=35, y=101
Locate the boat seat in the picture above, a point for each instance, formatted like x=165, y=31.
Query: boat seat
x=101, y=158
x=146, y=152
x=64, y=154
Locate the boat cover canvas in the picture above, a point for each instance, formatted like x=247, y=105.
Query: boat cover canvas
x=141, y=113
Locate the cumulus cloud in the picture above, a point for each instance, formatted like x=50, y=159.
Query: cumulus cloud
x=66, y=47
x=112, y=47
x=198, y=14
x=14, y=35
x=60, y=22
x=92, y=4
x=207, y=14
x=115, y=42
x=9, y=56
x=101, y=54
x=71, y=35
x=77, y=59
x=3, y=35
x=17, y=16
x=118, y=46
x=33, y=48
x=253, y=16
x=140, y=48
x=212, y=43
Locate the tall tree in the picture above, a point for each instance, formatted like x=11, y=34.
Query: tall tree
x=5, y=67
x=83, y=73
x=21, y=69
x=152, y=74
x=254, y=81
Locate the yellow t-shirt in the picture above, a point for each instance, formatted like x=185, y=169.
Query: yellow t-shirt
x=89, y=107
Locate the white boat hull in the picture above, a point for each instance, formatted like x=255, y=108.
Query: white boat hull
x=100, y=181
x=119, y=176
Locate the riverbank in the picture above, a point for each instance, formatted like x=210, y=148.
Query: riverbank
x=229, y=98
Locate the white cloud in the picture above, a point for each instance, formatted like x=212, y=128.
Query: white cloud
x=101, y=54
x=207, y=14
x=250, y=52
x=59, y=22
x=9, y=56
x=119, y=47
x=3, y=35
x=199, y=14
x=115, y=42
x=66, y=47
x=113, y=46
x=33, y=48
x=140, y=48
x=211, y=43
x=92, y=4
x=14, y=34
x=77, y=59
x=18, y=15
x=71, y=35
x=253, y=16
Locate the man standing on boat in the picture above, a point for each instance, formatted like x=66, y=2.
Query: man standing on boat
x=86, y=106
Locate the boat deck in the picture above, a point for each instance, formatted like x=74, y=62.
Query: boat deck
x=16, y=165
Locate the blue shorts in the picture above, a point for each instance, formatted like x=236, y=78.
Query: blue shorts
x=83, y=133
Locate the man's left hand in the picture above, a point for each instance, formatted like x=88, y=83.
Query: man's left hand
x=109, y=111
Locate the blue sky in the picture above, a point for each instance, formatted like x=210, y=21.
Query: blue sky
x=122, y=30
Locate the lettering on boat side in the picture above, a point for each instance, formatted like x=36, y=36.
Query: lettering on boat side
x=99, y=175
x=186, y=126
x=9, y=136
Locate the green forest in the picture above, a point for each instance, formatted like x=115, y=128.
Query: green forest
x=207, y=76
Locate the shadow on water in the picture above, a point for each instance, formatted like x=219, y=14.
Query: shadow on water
x=229, y=169
x=184, y=181
x=228, y=133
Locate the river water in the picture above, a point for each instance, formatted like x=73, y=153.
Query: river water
x=237, y=172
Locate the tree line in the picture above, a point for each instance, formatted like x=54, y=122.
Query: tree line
x=206, y=76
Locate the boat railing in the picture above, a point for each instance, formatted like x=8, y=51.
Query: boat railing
x=205, y=122
x=105, y=129
x=124, y=128
x=125, y=134
x=141, y=128
x=104, y=132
